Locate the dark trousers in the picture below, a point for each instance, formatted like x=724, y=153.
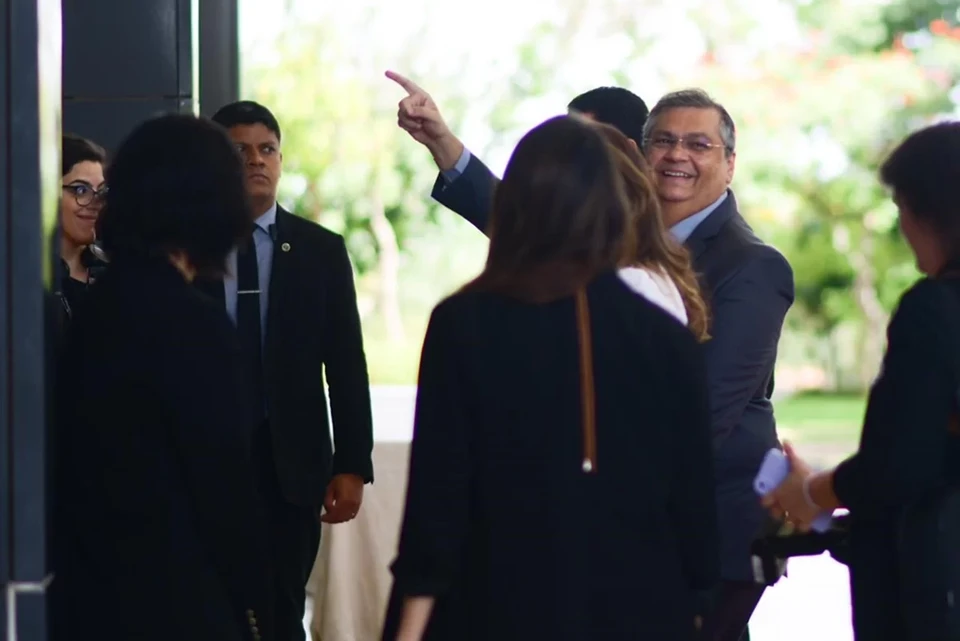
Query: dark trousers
x=731, y=604
x=294, y=537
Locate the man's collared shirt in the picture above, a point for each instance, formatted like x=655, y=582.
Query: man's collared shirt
x=457, y=170
x=682, y=230
x=263, y=241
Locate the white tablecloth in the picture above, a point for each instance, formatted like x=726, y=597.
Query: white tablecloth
x=351, y=580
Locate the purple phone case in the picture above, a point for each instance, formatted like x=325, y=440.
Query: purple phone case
x=773, y=471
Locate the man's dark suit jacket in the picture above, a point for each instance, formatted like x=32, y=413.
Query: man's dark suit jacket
x=749, y=288
x=157, y=531
x=313, y=331
x=470, y=195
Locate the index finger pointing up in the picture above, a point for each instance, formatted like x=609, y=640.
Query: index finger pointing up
x=408, y=85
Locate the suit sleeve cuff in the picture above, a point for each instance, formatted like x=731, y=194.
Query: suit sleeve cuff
x=450, y=175
x=363, y=469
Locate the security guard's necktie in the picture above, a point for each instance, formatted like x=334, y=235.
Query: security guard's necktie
x=248, y=318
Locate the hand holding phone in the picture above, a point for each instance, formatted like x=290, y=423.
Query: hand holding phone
x=774, y=469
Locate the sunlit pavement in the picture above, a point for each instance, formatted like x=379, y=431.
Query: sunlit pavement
x=811, y=604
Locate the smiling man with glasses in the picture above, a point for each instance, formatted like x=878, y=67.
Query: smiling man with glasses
x=690, y=141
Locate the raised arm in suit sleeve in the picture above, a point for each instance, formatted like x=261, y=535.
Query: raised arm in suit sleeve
x=905, y=433
x=346, y=369
x=692, y=499
x=470, y=194
x=435, y=519
x=205, y=392
x=748, y=311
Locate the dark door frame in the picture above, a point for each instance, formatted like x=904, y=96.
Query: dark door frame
x=30, y=129
x=29, y=194
x=219, y=53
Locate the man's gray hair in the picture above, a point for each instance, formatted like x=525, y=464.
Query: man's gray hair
x=696, y=99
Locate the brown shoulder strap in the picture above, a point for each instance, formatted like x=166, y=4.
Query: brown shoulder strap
x=587, y=391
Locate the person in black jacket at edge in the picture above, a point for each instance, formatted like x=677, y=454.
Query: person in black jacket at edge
x=158, y=530
x=83, y=190
x=77, y=262
x=910, y=446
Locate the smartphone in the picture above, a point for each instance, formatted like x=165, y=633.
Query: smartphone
x=773, y=471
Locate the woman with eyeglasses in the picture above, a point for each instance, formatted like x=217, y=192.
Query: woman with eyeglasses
x=83, y=192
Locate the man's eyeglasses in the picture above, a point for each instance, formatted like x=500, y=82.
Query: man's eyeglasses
x=694, y=144
x=85, y=195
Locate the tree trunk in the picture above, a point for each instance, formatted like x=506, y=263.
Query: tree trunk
x=316, y=201
x=831, y=361
x=388, y=265
x=874, y=316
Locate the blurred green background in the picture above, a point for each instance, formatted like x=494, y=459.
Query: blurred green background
x=820, y=90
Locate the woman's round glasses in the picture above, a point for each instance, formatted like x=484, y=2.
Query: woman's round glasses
x=85, y=194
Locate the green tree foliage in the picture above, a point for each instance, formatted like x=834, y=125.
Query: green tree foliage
x=345, y=163
x=876, y=25
x=815, y=123
x=818, y=107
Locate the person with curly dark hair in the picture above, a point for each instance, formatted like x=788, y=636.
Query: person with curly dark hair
x=157, y=523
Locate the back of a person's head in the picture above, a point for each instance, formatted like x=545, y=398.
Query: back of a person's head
x=176, y=185
x=615, y=106
x=924, y=174
x=75, y=149
x=638, y=180
x=559, y=213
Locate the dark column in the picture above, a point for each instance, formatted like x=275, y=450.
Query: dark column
x=219, y=54
x=125, y=61
x=29, y=196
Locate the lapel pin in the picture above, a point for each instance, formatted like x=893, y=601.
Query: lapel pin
x=285, y=247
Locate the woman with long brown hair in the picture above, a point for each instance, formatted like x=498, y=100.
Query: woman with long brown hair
x=660, y=268
x=560, y=483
